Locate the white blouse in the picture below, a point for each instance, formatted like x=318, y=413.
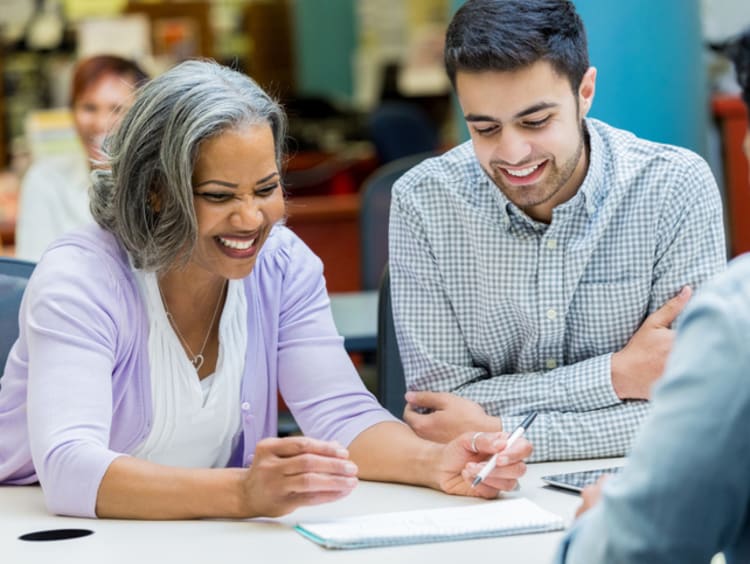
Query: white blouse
x=195, y=423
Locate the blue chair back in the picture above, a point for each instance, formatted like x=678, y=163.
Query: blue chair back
x=401, y=128
x=14, y=274
x=374, y=215
x=390, y=371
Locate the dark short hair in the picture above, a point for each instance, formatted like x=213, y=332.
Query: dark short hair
x=88, y=71
x=738, y=51
x=508, y=35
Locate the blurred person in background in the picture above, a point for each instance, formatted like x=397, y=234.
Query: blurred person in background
x=54, y=193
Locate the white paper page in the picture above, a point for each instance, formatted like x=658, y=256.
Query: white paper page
x=501, y=517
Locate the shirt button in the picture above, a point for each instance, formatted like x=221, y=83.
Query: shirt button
x=551, y=363
x=552, y=244
x=245, y=406
x=551, y=314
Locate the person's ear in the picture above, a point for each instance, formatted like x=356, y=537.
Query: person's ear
x=586, y=91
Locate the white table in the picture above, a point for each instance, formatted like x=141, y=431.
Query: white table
x=259, y=541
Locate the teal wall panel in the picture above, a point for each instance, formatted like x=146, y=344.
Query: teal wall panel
x=325, y=39
x=651, y=72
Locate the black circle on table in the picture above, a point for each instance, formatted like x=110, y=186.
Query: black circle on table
x=56, y=534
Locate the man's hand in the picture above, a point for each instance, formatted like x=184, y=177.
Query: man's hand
x=637, y=366
x=591, y=495
x=442, y=416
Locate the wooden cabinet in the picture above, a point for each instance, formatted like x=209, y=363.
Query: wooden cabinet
x=270, y=59
x=179, y=30
x=329, y=225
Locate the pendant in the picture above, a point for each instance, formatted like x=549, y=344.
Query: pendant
x=197, y=361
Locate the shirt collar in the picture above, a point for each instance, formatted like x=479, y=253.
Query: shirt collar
x=592, y=188
x=504, y=205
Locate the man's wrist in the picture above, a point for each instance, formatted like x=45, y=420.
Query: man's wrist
x=619, y=381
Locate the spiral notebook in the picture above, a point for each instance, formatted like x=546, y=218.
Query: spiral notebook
x=491, y=519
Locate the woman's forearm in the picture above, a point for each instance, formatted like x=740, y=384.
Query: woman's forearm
x=137, y=489
x=392, y=452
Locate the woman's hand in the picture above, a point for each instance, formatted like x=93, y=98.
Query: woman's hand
x=295, y=471
x=459, y=464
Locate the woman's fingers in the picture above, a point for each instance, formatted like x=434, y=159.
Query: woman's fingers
x=484, y=443
x=294, y=471
x=490, y=443
x=316, y=484
x=509, y=462
x=301, y=466
x=301, y=455
x=520, y=450
x=308, y=463
x=292, y=446
x=499, y=478
x=490, y=490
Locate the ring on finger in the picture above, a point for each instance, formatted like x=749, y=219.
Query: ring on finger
x=474, y=442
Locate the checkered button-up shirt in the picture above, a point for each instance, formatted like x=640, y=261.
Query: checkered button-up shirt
x=519, y=315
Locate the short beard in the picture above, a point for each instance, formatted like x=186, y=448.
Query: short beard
x=560, y=179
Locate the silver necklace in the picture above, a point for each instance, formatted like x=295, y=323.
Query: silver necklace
x=195, y=359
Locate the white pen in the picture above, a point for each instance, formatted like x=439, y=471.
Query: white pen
x=514, y=436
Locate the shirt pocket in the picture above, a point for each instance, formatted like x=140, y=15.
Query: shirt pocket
x=604, y=315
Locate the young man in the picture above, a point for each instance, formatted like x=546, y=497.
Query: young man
x=684, y=494
x=540, y=266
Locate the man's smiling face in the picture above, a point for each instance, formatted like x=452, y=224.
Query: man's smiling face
x=527, y=132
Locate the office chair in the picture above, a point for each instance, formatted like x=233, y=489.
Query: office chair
x=14, y=273
x=399, y=129
x=373, y=217
x=390, y=371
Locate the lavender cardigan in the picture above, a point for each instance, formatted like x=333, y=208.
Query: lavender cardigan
x=76, y=391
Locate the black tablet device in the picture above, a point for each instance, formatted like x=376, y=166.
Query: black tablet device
x=576, y=481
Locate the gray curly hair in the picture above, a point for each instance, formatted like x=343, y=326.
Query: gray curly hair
x=145, y=197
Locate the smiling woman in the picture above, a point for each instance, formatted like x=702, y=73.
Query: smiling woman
x=161, y=337
x=238, y=200
x=54, y=194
